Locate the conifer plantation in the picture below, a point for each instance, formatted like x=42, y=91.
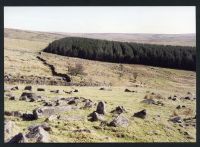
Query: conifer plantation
x=125, y=52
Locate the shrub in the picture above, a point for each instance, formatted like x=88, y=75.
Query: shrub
x=78, y=69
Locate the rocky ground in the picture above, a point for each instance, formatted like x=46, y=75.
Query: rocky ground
x=105, y=104
x=93, y=114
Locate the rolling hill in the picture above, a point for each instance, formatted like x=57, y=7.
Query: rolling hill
x=164, y=39
x=166, y=95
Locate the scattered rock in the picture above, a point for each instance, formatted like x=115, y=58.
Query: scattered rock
x=101, y=108
x=45, y=126
x=28, y=117
x=54, y=91
x=12, y=98
x=179, y=106
x=9, y=126
x=40, y=89
x=31, y=97
x=119, y=121
x=15, y=88
x=176, y=119
x=19, y=138
x=88, y=104
x=127, y=90
x=174, y=99
x=43, y=112
x=141, y=114
x=47, y=111
x=107, y=89
x=13, y=113
x=28, y=88
x=7, y=113
x=38, y=134
x=75, y=100
x=118, y=110
x=187, y=98
x=95, y=116
x=148, y=101
x=76, y=90
x=68, y=92
x=48, y=103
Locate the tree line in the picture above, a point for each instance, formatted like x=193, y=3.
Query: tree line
x=180, y=57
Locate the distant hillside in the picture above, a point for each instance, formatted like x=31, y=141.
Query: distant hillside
x=123, y=52
x=163, y=39
x=31, y=35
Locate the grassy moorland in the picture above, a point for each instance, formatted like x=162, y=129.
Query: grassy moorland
x=20, y=54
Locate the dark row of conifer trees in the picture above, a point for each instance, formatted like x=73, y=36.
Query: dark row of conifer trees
x=123, y=52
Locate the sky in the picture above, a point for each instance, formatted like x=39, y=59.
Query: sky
x=132, y=19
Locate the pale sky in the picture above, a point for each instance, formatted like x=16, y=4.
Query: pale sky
x=157, y=20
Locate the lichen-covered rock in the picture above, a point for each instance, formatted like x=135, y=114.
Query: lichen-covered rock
x=119, y=121
x=43, y=112
x=39, y=135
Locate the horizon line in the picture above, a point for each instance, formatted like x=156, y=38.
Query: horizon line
x=62, y=33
